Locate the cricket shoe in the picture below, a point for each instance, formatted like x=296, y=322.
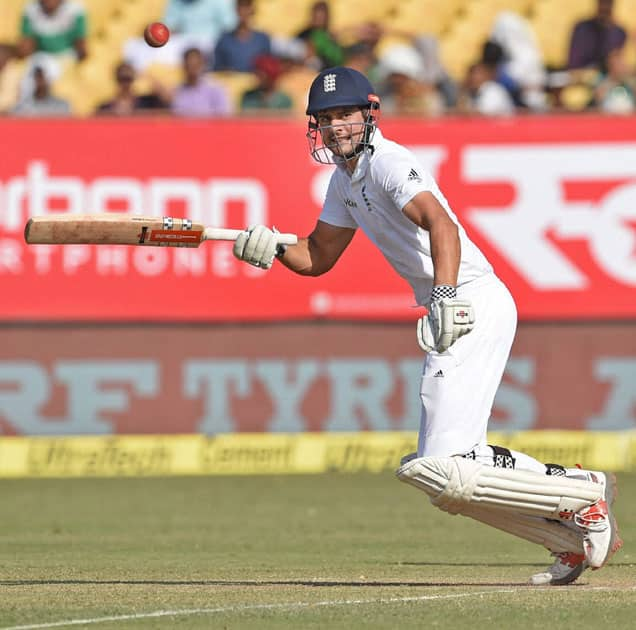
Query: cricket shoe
x=600, y=530
x=569, y=565
x=600, y=533
x=566, y=567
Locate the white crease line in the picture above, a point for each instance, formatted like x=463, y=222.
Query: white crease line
x=248, y=607
x=292, y=605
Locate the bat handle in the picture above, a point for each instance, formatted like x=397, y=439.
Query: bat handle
x=286, y=239
x=226, y=234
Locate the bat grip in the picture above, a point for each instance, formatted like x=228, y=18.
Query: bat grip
x=226, y=234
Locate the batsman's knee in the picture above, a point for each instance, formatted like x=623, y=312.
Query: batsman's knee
x=446, y=480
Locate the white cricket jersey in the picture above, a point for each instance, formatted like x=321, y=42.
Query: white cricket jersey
x=373, y=197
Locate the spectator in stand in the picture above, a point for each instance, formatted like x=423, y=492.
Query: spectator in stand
x=55, y=27
x=323, y=49
x=10, y=77
x=368, y=34
x=483, y=95
x=199, y=96
x=236, y=50
x=41, y=102
x=267, y=95
x=406, y=88
x=360, y=57
x=616, y=91
x=126, y=102
x=202, y=20
x=192, y=24
x=494, y=57
x=434, y=72
x=521, y=67
x=53, y=34
x=593, y=39
x=431, y=71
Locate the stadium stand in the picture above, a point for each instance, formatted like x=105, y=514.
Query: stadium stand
x=461, y=27
x=281, y=18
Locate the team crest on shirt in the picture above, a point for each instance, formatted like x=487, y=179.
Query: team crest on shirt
x=329, y=83
x=414, y=176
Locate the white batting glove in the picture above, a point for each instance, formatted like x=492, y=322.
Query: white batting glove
x=257, y=246
x=448, y=319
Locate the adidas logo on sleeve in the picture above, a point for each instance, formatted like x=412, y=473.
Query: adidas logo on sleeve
x=414, y=176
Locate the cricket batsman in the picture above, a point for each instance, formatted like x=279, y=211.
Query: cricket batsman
x=379, y=187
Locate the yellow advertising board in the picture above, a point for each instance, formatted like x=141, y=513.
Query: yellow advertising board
x=271, y=453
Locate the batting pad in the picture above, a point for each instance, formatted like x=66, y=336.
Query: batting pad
x=452, y=483
x=555, y=537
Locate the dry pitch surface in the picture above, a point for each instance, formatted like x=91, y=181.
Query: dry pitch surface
x=332, y=551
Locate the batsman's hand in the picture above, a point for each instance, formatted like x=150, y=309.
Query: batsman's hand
x=257, y=246
x=447, y=320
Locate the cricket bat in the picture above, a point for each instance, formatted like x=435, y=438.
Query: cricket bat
x=124, y=229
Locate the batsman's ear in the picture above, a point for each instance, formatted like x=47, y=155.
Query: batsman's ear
x=374, y=106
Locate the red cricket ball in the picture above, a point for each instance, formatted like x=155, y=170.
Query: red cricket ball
x=156, y=34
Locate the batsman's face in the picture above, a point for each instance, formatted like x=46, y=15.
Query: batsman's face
x=341, y=128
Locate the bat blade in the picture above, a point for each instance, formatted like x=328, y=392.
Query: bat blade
x=112, y=229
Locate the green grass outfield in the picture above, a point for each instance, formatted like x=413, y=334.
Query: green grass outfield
x=325, y=551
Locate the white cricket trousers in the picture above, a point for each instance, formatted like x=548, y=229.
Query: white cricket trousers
x=459, y=386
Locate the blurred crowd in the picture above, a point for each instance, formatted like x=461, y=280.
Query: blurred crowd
x=214, y=39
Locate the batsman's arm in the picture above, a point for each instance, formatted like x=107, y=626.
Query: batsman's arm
x=317, y=253
x=448, y=318
x=424, y=210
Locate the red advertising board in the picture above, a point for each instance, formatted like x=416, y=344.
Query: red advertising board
x=551, y=202
x=58, y=379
